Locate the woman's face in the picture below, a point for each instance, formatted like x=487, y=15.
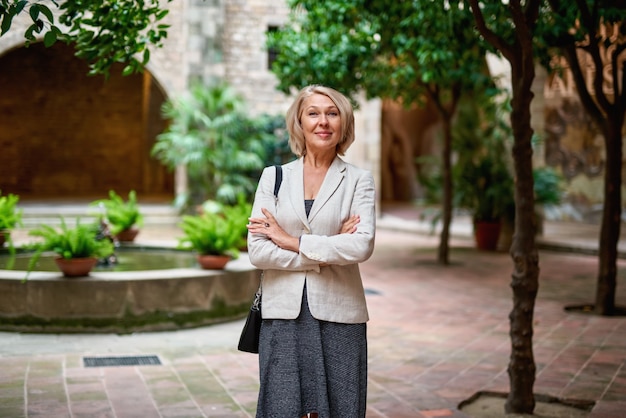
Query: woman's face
x=321, y=123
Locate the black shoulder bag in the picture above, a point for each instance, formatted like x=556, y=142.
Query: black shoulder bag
x=249, y=339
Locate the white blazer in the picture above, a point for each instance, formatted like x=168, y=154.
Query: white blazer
x=335, y=292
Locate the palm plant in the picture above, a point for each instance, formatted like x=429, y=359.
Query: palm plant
x=219, y=144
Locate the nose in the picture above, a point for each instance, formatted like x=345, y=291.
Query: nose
x=323, y=120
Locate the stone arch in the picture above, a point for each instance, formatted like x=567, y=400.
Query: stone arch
x=67, y=135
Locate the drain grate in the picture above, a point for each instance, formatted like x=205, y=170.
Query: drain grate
x=121, y=361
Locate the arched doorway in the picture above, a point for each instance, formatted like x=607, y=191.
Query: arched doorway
x=69, y=136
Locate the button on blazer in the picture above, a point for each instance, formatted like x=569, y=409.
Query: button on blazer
x=335, y=290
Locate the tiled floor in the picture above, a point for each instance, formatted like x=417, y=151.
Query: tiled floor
x=437, y=336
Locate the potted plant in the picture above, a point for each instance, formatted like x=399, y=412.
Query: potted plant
x=483, y=182
x=237, y=213
x=78, y=249
x=123, y=217
x=10, y=217
x=213, y=236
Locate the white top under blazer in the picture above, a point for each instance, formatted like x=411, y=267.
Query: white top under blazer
x=335, y=292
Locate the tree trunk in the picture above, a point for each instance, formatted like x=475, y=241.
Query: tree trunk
x=443, y=256
x=525, y=277
x=611, y=221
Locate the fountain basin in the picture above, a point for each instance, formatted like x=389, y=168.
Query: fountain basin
x=126, y=301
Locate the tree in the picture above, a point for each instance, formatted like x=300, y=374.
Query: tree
x=516, y=45
x=408, y=51
x=103, y=31
x=590, y=35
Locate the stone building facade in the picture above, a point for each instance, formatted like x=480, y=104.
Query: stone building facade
x=69, y=136
x=107, y=146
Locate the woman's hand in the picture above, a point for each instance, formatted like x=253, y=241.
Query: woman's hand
x=349, y=226
x=270, y=227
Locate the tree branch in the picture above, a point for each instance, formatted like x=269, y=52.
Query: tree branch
x=490, y=36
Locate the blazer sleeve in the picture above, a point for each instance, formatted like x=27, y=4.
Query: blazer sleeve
x=263, y=252
x=343, y=249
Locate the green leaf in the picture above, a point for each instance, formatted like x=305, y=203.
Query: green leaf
x=128, y=70
x=49, y=38
x=47, y=12
x=7, y=19
x=34, y=12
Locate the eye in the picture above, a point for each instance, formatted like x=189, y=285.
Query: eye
x=333, y=114
x=312, y=113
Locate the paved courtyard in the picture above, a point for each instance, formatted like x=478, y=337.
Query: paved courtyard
x=437, y=336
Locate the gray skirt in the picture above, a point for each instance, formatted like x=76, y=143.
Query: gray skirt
x=307, y=365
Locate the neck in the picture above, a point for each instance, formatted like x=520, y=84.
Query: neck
x=319, y=160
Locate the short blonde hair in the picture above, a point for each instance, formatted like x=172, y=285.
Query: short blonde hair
x=294, y=125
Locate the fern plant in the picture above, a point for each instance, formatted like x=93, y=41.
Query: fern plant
x=210, y=234
x=237, y=213
x=10, y=215
x=120, y=214
x=80, y=241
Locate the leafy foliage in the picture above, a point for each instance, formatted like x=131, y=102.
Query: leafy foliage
x=384, y=48
x=78, y=242
x=238, y=214
x=548, y=186
x=211, y=233
x=10, y=215
x=222, y=147
x=120, y=214
x=103, y=31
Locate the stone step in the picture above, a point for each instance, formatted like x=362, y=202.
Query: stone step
x=42, y=213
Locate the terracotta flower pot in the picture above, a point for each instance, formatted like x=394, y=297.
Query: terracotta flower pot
x=76, y=267
x=4, y=237
x=213, y=262
x=127, y=235
x=486, y=235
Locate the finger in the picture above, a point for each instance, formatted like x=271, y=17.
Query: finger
x=268, y=214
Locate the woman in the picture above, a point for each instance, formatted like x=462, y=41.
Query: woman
x=309, y=241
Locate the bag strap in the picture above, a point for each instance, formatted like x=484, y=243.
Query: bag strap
x=279, y=179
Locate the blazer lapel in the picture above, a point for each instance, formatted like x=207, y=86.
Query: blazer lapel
x=333, y=178
x=296, y=188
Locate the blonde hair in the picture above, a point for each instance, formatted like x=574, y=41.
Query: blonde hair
x=294, y=126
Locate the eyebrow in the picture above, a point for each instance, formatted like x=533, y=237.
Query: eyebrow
x=318, y=107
